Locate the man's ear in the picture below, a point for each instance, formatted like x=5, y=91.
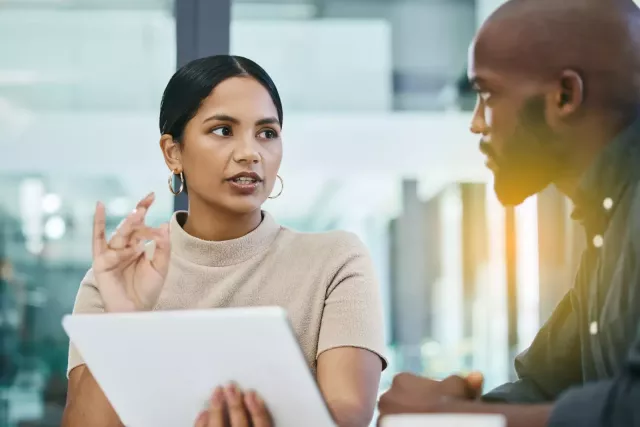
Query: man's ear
x=566, y=97
x=171, y=152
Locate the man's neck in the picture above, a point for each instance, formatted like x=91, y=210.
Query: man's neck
x=569, y=183
x=586, y=148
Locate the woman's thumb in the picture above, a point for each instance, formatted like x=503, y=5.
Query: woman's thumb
x=162, y=250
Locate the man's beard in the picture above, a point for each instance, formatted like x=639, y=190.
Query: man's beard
x=528, y=162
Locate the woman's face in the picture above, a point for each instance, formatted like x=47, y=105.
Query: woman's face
x=231, y=149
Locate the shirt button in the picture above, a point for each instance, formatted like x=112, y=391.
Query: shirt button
x=593, y=328
x=607, y=203
x=598, y=241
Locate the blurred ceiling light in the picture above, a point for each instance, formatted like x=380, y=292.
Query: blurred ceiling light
x=266, y=11
x=51, y=203
x=55, y=227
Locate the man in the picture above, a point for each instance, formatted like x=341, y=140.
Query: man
x=558, y=103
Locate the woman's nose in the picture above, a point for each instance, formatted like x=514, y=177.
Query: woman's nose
x=246, y=151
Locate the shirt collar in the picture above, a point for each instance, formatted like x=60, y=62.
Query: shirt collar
x=604, y=183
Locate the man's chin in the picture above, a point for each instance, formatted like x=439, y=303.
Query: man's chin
x=510, y=199
x=510, y=194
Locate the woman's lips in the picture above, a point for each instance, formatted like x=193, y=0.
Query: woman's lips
x=244, y=187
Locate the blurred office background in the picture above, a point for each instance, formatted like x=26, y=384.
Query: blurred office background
x=377, y=111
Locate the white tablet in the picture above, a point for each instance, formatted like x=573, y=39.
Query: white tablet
x=158, y=369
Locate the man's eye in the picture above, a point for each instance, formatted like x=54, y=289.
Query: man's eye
x=222, y=131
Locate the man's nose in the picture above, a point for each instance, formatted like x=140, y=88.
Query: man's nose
x=479, y=124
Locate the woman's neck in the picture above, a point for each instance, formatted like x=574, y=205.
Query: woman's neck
x=207, y=223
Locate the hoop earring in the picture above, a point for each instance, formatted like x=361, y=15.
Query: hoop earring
x=281, y=188
x=181, y=176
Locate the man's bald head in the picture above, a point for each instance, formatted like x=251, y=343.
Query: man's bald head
x=539, y=39
x=556, y=80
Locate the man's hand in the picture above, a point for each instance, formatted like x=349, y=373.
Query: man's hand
x=475, y=381
x=410, y=394
x=413, y=394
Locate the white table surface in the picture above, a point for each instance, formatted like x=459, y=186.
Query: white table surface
x=444, y=420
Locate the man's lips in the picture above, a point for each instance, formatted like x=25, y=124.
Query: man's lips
x=486, y=149
x=491, y=164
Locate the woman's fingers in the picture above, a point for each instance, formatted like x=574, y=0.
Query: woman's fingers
x=142, y=233
x=99, y=225
x=121, y=258
x=147, y=201
x=216, y=414
x=162, y=253
x=202, y=420
x=238, y=416
x=230, y=407
x=258, y=412
x=121, y=237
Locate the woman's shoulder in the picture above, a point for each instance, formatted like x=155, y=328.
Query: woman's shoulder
x=325, y=253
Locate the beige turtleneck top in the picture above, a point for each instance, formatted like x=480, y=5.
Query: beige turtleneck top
x=325, y=281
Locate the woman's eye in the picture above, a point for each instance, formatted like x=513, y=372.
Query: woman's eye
x=268, y=134
x=222, y=131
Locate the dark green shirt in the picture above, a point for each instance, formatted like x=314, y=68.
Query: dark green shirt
x=586, y=358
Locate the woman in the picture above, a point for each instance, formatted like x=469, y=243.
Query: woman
x=220, y=120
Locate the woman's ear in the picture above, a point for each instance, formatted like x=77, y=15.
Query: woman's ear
x=171, y=152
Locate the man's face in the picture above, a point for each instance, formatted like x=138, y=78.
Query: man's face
x=510, y=118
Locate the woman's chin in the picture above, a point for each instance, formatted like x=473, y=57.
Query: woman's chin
x=233, y=203
x=244, y=205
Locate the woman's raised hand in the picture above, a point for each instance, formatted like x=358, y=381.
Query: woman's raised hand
x=128, y=279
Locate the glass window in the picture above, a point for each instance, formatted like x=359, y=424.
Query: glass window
x=80, y=88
